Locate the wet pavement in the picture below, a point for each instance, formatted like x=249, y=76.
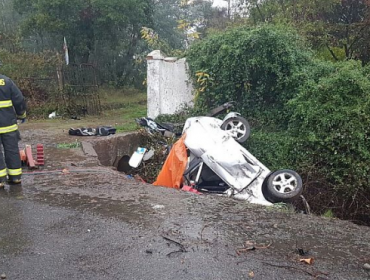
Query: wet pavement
x=76, y=219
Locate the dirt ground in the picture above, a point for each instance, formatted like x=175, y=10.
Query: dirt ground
x=92, y=222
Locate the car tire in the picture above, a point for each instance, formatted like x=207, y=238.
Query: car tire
x=282, y=186
x=239, y=128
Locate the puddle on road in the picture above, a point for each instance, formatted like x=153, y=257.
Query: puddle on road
x=13, y=239
x=15, y=191
x=129, y=211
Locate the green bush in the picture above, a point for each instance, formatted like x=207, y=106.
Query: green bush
x=258, y=68
x=331, y=116
x=271, y=148
x=181, y=116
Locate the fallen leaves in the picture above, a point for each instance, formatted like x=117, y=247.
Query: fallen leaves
x=251, y=246
x=307, y=261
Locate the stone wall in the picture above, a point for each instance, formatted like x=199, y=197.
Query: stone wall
x=169, y=85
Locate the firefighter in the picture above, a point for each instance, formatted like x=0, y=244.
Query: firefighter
x=12, y=107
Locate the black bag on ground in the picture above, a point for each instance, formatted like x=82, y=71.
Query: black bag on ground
x=82, y=131
x=100, y=131
x=105, y=130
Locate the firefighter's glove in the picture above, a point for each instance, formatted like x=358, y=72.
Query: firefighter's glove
x=21, y=118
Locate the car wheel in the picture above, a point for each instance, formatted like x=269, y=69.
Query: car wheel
x=238, y=127
x=282, y=186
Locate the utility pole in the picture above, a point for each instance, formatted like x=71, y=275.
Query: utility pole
x=228, y=8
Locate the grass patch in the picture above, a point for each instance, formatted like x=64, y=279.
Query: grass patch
x=120, y=109
x=328, y=214
x=282, y=207
x=124, y=105
x=73, y=145
x=128, y=117
x=111, y=98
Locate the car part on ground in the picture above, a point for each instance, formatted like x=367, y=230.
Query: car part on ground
x=152, y=127
x=137, y=157
x=237, y=126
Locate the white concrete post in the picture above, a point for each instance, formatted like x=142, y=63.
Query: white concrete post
x=154, y=61
x=169, y=86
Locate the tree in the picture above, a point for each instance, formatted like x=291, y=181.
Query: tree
x=341, y=27
x=348, y=24
x=8, y=18
x=85, y=22
x=9, y=21
x=179, y=22
x=258, y=68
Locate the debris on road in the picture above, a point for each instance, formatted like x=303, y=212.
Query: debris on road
x=139, y=179
x=152, y=127
x=316, y=274
x=137, y=157
x=307, y=261
x=182, y=247
x=99, y=131
x=158, y=148
x=186, y=188
x=251, y=246
x=158, y=207
x=302, y=252
x=148, y=155
x=367, y=266
x=53, y=115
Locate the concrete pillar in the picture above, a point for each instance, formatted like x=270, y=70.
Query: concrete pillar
x=154, y=61
x=169, y=85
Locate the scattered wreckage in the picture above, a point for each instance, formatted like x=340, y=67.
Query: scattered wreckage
x=210, y=159
x=233, y=122
x=99, y=131
x=218, y=163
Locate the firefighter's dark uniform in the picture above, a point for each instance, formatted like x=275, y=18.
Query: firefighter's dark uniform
x=12, y=107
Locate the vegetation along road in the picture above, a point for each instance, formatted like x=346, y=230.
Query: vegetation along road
x=297, y=70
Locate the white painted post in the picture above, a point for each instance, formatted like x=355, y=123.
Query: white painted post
x=154, y=61
x=169, y=85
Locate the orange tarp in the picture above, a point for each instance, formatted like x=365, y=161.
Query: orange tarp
x=174, y=167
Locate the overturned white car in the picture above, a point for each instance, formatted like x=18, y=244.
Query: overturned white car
x=219, y=164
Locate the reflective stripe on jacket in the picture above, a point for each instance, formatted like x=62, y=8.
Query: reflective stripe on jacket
x=12, y=105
